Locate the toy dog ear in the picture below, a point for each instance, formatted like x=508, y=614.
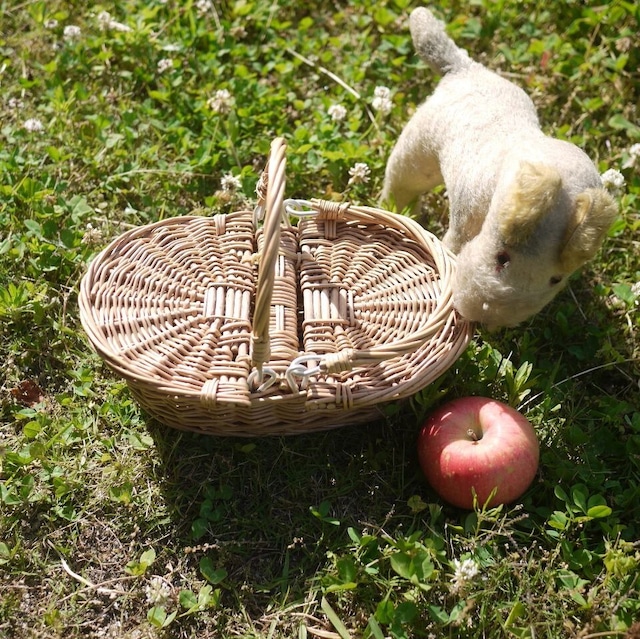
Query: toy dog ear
x=530, y=199
x=593, y=213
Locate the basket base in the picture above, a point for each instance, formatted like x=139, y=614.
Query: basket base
x=273, y=420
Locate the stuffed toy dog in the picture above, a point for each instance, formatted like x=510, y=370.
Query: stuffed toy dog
x=526, y=210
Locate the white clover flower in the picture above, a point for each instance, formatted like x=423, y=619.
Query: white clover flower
x=118, y=26
x=106, y=21
x=382, y=100
x=221, y=102
x=52, y=23
x=71, y=32
x=613, y=181
x=238, y=32
x=15, y=104
x=463, y=572
x=634, y=156
x=165, y=64
x=359, y=173
x=337, y=112
x=158, y=591
x=91, y=235
x=230, y=183
x=203, y=6
x=33, y=125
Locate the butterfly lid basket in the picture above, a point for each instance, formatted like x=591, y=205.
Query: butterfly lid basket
x=247, y=324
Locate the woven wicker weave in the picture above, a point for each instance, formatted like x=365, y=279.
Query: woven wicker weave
x=224, y=327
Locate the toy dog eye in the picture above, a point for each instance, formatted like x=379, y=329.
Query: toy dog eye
x=503, y=259
x=555, y=280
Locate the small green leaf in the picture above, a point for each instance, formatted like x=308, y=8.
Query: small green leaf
x=354, y=535
x=406, y=612
x=198, y=528
x=625, y=293
x=579, y=599
x=384, y=16
x=148, y=557
x=457, y=611
x=188, y=600
x=561, y=494
x=579, y=496
x=401, y=564
x=208, y=597
x=384, y=612
x=621, y=123
x=161, y=96
x=417, y=567
x=140, y=441
x=340, y=587
x=558, y=520
x=570, y=580
x=322, y=513
x=21, y=458
x=140, y=567
x=438, y=614
x=122, y=493
x=157, y=616
x=416, y=504
x=80, y=207
x=210, y=573
x=31, y=429
x=34, y=227
x=517, y=610
x=346, y=569
x=598, y=512
x=5, y=553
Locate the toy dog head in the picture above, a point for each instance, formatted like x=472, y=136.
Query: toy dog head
x=534, y=236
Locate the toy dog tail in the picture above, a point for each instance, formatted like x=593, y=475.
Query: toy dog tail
x=433, y=45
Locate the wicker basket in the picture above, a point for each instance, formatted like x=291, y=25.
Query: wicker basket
x=224, y=327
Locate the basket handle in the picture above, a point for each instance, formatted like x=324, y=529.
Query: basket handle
x=273, y=204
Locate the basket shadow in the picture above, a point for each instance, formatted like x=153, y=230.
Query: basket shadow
x=268, y=510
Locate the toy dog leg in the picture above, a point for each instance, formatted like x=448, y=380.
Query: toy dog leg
x=411, y=170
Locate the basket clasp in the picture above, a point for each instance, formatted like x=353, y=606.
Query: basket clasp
x=297, y=369
x=300, y=208
x=257, y=379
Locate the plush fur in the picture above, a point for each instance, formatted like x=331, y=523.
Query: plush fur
x=526, y=210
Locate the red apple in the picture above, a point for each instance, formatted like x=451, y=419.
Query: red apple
x=481, y=444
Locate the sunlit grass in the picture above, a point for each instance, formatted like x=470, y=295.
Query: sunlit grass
x=114, y=526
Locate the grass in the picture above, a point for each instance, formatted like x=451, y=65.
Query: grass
x=114, y=526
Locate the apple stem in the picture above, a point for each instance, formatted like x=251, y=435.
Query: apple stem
x=472, y=434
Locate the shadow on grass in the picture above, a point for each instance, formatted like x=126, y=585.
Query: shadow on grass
x=269, y=510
